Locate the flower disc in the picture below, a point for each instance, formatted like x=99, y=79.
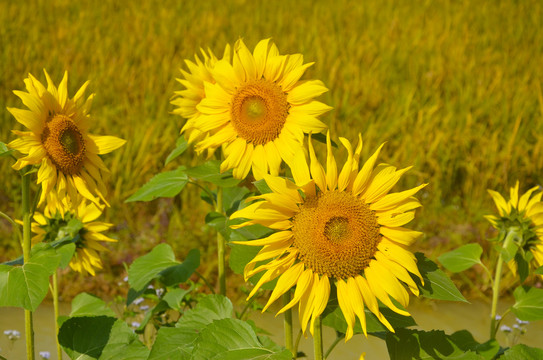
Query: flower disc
x=64, y=144
x=259, y=111
x=336, y=234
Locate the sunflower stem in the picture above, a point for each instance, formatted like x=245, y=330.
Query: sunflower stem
x=317, y=339
x=221, y=243
x=511, y=234
x=27, y=218
x=55, y=307
x=289, y=344
x=297, y=343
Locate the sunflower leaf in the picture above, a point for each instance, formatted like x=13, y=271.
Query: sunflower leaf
x=103, y=337
x=180, y=146
x=160, y=264
x=166, y=184
x=89, y=305
x=4, y=150
x=436, y=284
x=426, y=345
x=233, y=339
x=522, y=352
x=210, y=172
x=539, y=270
x=461, y=258
x=26, y=286
x=262, y=186
x=528, y=303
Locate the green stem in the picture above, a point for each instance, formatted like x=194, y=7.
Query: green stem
x=317, y=339
x=288, y=325
x=338, y=339
x=221, y=243
x=25, y=187
x=55, y=306
x=496, y=285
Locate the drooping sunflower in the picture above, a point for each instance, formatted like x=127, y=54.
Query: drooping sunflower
x=258, y=109
x=346, y=229
x=49, y=227
x=186, y=100
x=59, y=142
x=525, y=213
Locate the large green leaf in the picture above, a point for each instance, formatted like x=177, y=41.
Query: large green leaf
x=522, y=352
x=177, y=343
x=233, y=339
x=462, y=258
x=26, y=286
x=89, y=305
x=210, y=172
x=178, y=274
x=529, y=303
x=436, y=284
x=123, y=340
x=161, y=263
x=174, y=297
x=539, y=271
x=85, y=337
x=173, y=344
x=180, y=146
x=208, y=309
x=407, y=344
x=100, y=337
x=166, y=184
x=149, y=266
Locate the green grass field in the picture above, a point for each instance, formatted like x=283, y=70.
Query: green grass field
x=454, y=87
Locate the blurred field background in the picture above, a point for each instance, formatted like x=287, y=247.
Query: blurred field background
x=454, y=87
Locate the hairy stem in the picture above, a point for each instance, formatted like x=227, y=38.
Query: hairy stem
x=221, y=244
x=27, y=218
x=317, y=339
x=289, y=344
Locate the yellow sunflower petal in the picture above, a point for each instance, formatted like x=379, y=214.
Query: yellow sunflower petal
x=285, y=283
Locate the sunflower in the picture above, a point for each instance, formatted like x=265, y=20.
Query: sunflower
x=59, y=143
x=258, y=109
x=186, y=100
x=344, y=229
x=525, y=213
x=52, y=226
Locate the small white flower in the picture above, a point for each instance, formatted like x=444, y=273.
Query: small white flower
x=159, y=292
x=522, y=322
x=505, y=328
x=498, y=317
x=135, y=324
x=125, y=279
x=45, y=354
x=144, y=307
x=138, y=301
x=516, y=326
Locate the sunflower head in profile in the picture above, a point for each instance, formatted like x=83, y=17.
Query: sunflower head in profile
x=186, y=100
x=257, y=109
x=77, y=223
x=58, y=142
x=524, y=214
x=343, y=228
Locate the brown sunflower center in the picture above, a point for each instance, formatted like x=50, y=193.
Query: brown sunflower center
x=64, y=144
x=336, y=233
x=259, y=111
